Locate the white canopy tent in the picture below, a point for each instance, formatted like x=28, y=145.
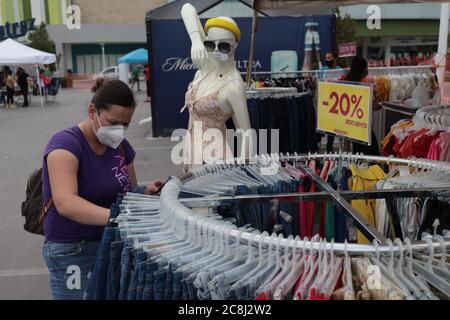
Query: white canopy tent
x=298, y=7
x=13, y=53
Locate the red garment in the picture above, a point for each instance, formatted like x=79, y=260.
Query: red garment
x=262, y=296
x=407, y=148
x=423, y=143
x=313, y=295
x=310, y=214
x=147, y=73
x=388, y=148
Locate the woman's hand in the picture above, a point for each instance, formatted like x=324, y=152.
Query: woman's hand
x=154, y=188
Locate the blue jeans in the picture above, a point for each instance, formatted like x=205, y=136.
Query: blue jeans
x=113, y=284
x=160, y=284
x=125, y=272
x=69, y=265
x=139, y=257
x=149, y=292
x=141, y=278
x=100, y=274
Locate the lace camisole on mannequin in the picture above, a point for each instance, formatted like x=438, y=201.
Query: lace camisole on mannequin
x=206, y=110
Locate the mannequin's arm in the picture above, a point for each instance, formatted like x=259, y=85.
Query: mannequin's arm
x=237, y=99
x=196, y=34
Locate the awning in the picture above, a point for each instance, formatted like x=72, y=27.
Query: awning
x=135, y=57
x=15, y=53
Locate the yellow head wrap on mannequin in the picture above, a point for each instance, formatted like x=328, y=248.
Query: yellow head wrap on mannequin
x=224, y=24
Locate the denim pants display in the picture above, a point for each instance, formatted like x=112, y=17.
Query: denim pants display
x=294, y=117
x=138, y=259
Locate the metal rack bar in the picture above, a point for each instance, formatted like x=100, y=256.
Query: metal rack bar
x=361, y=223
x=309, y=196
x=400, y=68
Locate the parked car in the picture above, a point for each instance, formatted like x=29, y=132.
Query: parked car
x=108, y=73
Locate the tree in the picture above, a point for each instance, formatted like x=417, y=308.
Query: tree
x=39, y=39
x=345, y=29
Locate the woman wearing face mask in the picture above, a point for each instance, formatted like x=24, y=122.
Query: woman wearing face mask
x=358, y=73
x=85, y=167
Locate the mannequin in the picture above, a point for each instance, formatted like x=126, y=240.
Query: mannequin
x=217, y=92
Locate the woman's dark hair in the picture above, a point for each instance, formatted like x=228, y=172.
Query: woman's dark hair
x=358, y=70
x=112, y=92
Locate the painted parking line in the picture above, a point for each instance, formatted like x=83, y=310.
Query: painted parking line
x=23, y=272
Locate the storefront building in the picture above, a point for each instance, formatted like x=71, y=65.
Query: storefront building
x=408, y=34
x=109, y=28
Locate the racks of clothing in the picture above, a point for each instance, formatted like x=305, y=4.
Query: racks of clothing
x=292, y=114
x=180, y=247
x=427, y=135
x=414, y=86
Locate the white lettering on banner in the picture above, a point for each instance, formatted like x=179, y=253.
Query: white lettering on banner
x=180, y=64
x=175, y=64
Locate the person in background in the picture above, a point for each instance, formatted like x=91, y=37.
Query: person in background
x=135, y=77
x=44, y=82
x=358, y=73
x=330, y=64
x=2, y=88
x=147, y=79
x=10, y=86
x=22, y=81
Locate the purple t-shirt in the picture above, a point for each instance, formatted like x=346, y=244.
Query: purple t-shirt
x=100, y=180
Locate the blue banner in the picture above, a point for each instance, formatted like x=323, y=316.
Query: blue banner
x=172, y=69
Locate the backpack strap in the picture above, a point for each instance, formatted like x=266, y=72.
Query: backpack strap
x=44, y=210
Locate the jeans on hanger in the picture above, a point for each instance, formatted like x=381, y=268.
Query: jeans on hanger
x=177, y=286
x=160, y=283
x=125, y=271
x=113, y=278
x=141, y=278
x=131, y=294
x=247, y=208
x=149, y=291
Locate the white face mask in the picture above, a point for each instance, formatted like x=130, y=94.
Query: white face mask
x=220, y=56
x=111, y=136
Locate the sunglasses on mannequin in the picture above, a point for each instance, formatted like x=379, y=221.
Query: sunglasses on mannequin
x=223, y=47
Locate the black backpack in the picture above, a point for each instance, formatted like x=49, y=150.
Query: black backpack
x=33, y=208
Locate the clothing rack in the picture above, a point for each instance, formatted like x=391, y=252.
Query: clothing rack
x=271, y=92
x=433, y=117
x=171, y=190
x=372, y=71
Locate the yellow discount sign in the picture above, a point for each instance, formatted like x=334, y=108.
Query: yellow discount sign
x=345, y=109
